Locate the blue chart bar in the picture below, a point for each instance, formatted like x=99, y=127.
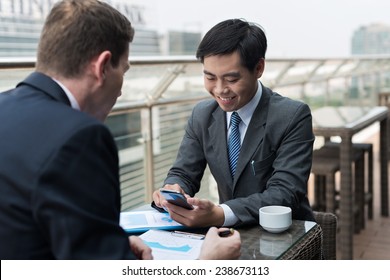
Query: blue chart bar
x=157, y=245
x=139, y=219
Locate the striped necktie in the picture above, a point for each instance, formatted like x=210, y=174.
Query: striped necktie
x=234, y=142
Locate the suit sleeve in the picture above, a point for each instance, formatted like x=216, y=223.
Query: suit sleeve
x=77, y=201
x=190, y=164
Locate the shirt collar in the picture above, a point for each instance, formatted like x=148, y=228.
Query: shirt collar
x=246, y=111
x=72, y=99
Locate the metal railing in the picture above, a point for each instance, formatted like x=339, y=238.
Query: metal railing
x=159, y=93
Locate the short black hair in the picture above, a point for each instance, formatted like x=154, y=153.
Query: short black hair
x=235, y=35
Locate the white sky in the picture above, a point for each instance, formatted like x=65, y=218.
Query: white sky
x=294, y=28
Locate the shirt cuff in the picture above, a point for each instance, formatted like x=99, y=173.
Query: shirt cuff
x=230, y=218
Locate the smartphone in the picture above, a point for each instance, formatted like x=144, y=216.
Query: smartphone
x=176, y=198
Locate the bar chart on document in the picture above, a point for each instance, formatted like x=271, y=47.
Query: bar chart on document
x=141, y=221
x=169, y=245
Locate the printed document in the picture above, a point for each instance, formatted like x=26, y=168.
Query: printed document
x=173, y=245
x=141, y=221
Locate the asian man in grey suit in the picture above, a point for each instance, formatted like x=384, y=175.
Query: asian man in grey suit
x=275, y=137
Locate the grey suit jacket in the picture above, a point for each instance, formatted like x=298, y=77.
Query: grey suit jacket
x=274, y=163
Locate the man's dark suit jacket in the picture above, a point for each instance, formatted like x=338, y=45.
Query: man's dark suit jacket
x=274, y=163
x=59, y=180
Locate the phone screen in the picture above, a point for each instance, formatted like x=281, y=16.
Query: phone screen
x=176, y=198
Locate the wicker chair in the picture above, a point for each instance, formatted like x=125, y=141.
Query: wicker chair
x=328, y=223
x=366, y=196
x=320, y=244
x=307, y=248
x=326, y=163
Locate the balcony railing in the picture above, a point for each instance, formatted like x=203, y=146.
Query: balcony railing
x=159, y=93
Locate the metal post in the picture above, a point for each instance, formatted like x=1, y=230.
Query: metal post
x=147, y=132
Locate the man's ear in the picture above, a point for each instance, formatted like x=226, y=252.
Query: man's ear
x=102, y=65
x=260, y=68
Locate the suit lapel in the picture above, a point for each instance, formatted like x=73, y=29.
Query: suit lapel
x=254, y=134
x=218, y=135
x=47, y=85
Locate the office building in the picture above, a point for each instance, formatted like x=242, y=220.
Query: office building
x=371, y=39
x=21, y=22
x=183, y=43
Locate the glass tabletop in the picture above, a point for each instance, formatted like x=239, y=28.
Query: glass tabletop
x=259, y=244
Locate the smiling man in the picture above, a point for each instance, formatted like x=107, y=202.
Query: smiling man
x=257, y=143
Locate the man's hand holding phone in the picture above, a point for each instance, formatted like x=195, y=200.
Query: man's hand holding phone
x=176, y=197
x=171, y=193
x=188, y=211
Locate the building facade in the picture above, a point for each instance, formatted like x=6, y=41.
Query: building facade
x=371, y=39
x=21, y=22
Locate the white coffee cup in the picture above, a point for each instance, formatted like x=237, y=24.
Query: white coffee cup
x=275, y=218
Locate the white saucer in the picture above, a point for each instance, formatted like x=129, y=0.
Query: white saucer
x=276, y=230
